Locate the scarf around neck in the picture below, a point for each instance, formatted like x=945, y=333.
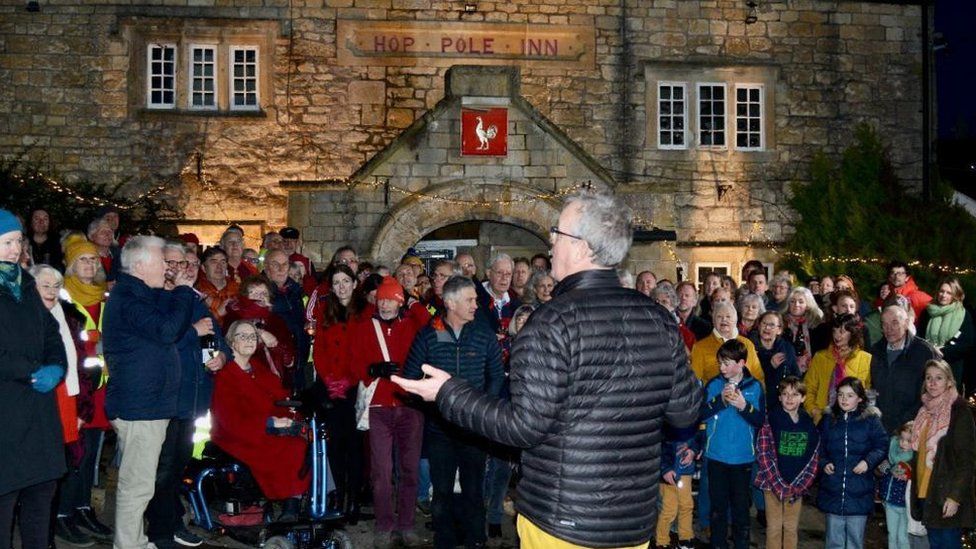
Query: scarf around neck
x=840, y=372
x=944, y=322
x=84, y=294
x=10, y=277
x=933, y=416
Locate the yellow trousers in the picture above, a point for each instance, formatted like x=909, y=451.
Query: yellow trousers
x=676, y=503
x=533, y=537
x=782, y=521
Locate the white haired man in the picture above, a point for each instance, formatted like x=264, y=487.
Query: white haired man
x=576, y=368
x=142, y=326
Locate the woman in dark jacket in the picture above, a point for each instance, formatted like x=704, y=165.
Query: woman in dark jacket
x=852, y=443
x=948, y=326
x=32, y=362
x=944, y=440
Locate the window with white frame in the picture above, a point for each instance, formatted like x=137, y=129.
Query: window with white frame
x=711, y=115
x=244, y=78
x=161, y=76
x=748, y=117
x=702, y=270
x=672, y=115
x=203, y=77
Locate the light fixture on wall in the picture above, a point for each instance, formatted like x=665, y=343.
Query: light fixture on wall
x=722, y=189
x=33, y=6
x=470, y=7
x=753, y=14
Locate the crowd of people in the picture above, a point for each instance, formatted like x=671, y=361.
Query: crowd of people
x=808, y=390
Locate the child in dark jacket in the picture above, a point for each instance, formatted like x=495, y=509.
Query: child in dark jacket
x=677, y=466
x=894, y=484
x=732, y=414
x=853, y=442
x=787, y=453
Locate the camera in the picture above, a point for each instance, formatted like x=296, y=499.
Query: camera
x=383, y=369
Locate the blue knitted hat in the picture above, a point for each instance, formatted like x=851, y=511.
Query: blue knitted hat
x=9, y=222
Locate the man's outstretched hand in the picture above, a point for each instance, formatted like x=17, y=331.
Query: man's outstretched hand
x=426, y=388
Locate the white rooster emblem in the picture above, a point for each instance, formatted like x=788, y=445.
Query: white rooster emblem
x=484, y=135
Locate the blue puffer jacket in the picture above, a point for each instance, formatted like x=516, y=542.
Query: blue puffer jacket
x=196, y=382
x=474, y=355
x=846, y=441
x=140, y=331
x=730, y=434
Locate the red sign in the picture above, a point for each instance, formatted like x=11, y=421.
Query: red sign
x=484, y=132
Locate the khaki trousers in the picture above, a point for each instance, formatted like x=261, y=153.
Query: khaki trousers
x=140, y=443
x=782, y=520
x=676, y=503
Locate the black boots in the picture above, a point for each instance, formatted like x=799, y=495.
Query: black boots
x=85, y=519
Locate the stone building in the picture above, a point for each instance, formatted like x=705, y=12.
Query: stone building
x=344, y=117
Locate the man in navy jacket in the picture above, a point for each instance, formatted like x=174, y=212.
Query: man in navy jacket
x=469, y=350
x=142, y=326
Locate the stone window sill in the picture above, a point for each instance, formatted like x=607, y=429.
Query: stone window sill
x=145, y=113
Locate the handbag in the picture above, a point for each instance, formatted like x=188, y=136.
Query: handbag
x=915, y=527
x=365, y=394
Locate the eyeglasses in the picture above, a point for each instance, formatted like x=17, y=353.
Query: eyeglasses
x=553, y=231
x=276, y=264
x=251, y=260
x=194, y=264
x=175, y=263
x=345, y=261
x=246, y=337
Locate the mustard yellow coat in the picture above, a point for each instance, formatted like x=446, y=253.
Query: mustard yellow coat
x=820, y=371
x=705, y=364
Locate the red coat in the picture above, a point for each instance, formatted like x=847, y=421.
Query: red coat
x=244, y=308
x=242, y=404
x=399, y=334
x=331, y=353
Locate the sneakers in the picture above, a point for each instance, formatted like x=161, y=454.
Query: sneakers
x=686, y=544
x=84, y=518
x=187, y=538
x=410, y=538
x=383, y=540
x=65, y=530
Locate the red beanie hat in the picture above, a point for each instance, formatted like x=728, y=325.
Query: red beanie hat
x=390, y=288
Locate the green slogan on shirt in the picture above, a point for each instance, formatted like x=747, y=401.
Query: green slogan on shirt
x=793, y=444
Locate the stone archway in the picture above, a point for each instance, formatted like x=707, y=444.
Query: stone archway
x=415, y=216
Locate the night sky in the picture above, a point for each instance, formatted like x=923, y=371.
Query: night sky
x=956, y=68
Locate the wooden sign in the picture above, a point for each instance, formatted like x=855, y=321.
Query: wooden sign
x=442, y=43
x=484, y=132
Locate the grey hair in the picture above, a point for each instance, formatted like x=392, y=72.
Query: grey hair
x=782, y=278
x=500, y=257
x=667, y=291
x=174, y=246
x=455, y=270
x=748, y=297
x=529, y=295
x=724, y=306
x=626, y=278
x=814, y=314
x=605, y=225
x=44, y=268
x=453, y=287
x=236, y=327
x=137, y=250
x=522, y=310
x=95, y=224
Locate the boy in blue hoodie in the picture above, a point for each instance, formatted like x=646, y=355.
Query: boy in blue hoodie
x=678, y=453
x=732, y=414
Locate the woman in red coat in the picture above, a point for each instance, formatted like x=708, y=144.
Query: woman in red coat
x=338, y=311
x=245, y=392
x=254, y=303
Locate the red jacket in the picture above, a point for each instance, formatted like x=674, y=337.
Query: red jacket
x=399, y=334
x=919, y=299
x=242, y=403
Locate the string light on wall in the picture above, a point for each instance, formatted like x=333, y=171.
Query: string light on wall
x=474, y=202
x=96, y=201
x=932, y=266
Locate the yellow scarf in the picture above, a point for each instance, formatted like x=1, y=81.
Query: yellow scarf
x=84, y=294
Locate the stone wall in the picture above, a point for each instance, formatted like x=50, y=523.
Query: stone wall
x=69, y=76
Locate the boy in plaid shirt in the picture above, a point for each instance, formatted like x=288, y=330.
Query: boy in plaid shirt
x=787, y=454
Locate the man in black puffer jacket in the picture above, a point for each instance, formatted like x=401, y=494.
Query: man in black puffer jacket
x=594, y=375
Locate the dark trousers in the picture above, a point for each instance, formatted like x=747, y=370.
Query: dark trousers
x=35, y=515
x=729, y=487
x=394, y=432
x=345, y=449
x=448, y=456
x=76, y=486
x=165, y=511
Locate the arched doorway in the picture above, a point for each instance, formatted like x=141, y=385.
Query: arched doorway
x=482, y=239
